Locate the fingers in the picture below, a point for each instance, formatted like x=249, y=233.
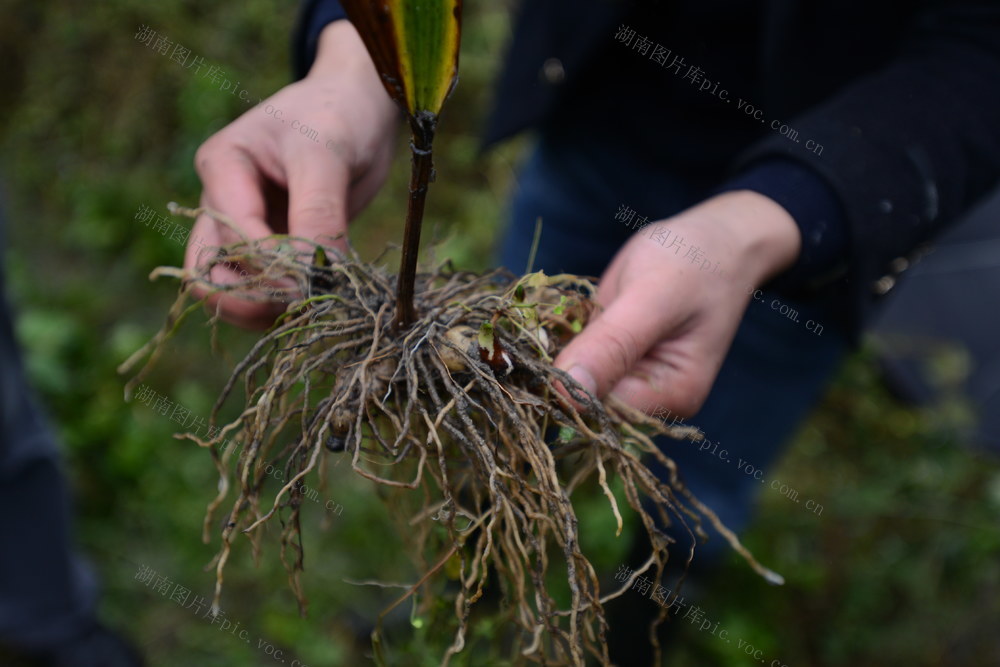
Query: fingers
x=611, y=344
x=267, y=178
x=206, y=238
x=668, y=381
x=234, y=186
x=650, y=348
x=318, y=188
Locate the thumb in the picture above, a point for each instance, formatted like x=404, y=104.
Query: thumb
x=610, y=345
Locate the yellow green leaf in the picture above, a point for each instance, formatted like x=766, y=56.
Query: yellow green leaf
x=414, y=44
x=537, y=279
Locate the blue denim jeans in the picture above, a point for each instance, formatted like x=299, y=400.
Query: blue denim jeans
x=47, y=594
x=776, y=369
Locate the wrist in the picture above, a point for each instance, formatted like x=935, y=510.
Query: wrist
x=341, y=57
x=764, y=236
x=339, y=49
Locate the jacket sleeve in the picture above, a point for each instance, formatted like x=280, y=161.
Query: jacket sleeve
x=905, y=150
x=314, y=15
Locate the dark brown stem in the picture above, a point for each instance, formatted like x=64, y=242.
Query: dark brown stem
x=421, y=140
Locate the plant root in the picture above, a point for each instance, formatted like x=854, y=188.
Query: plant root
x=463, y=411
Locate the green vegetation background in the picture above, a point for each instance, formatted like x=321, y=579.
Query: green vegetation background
x=900, y=568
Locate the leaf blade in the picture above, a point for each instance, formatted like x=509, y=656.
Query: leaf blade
x=414, y=45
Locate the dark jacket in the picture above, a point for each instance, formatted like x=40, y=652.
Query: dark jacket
x=875, y=123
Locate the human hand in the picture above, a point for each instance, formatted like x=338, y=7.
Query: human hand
x=666, y=325
x=269, y=175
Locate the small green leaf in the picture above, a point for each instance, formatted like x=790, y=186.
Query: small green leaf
x=320, y=259
x=566, y=434
x=561, y=308
x=519, y=293
x=576, y=326
x=486, y=337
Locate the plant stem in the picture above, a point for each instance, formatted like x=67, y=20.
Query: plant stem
x=422, y=169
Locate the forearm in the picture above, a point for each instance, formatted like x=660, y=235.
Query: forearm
x=908, y=149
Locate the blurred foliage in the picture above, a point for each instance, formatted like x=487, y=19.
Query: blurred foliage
x=900, y=565
x=899, y=568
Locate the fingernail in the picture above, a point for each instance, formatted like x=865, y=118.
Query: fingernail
x=583, y=376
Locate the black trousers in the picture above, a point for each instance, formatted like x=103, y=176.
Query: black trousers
x=47, y=594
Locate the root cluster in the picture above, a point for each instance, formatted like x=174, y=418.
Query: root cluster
x=464, y=411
